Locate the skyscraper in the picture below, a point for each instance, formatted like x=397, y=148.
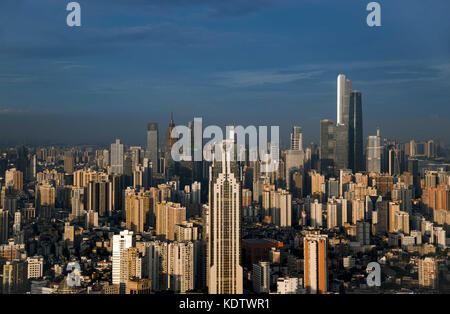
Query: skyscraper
x=315, y=257
x=356, y=155
x=3, y=226
x=349, y=132
x=152, y=146
x=296, y=138
x=68, y=162
x=121, y=242
x=327, y=146
x=117, y=157
x=224, y=227
x=344, y=89
x=169, y=162
x=373, y=153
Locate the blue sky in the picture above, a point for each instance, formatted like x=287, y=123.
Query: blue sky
x=259, y=62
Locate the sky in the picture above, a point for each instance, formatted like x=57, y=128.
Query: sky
x=246, y=62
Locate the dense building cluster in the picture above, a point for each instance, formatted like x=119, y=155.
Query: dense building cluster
x=134, y=221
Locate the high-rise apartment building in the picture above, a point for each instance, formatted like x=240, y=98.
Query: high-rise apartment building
x=168, y=215
x=261, y=277
x=121, y=242
x=315, y=268
x=428, y=273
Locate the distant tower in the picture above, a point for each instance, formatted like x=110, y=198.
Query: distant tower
x=224, y=227
x=344, y=88
x=296, y=138
x=152, y=146
x=373, y=153
x=168, y=148
x=117, y=157
x=327, y=146
x=68, y=162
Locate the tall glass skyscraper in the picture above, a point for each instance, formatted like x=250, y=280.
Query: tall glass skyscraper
x=117, y=157
x=327, y=146
x=373, y=153
x=152, y=145
x=349, y=129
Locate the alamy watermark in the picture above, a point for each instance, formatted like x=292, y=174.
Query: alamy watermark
x=74, y=17
x=374, y=277
x=233, y=146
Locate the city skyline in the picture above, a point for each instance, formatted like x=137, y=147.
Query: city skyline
x=182, y=58
x=219, y=154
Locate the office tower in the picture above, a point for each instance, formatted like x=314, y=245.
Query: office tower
x=342, y=157
x=363, y=232
x=296, y=138
x=77, y=201
x=327, y=146
x=261, y=277
x=4, y=232
x=117, y=157
x=344, y=89
x=315, y=258
x=151, y=151
x=373, y=153
x=356, y=154
x=349, y=128
x=428, y=273
x=35, y=267
x=170, y=165
x=224, y=227
x=68, y=162
x=32, y=165
x=121, y=242
x=168, y=215
x=294, y=163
